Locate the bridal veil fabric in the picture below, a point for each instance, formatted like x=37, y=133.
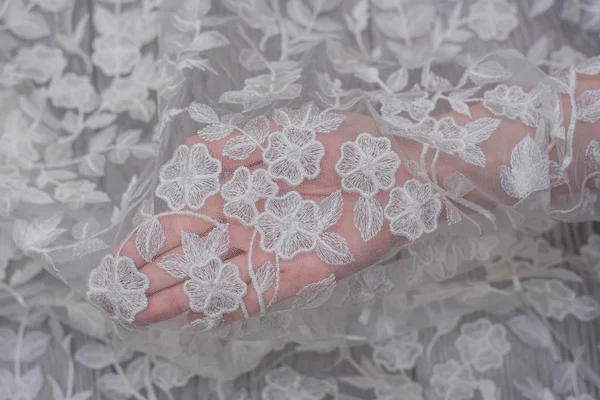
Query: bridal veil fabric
x=299, y=199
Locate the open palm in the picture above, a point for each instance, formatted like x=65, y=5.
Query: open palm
x=281, y=218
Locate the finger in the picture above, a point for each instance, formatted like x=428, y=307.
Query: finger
x=161, y=279
x=293, y=276
x=228, y=149
x=172, y=301
x=172, y=225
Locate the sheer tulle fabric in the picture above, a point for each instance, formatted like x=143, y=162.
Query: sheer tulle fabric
x=311, y=171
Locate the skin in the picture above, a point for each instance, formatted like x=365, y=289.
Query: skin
x=166, y=295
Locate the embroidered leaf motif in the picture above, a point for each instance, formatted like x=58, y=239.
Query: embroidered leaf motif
x=397, y=80
x=592, y=155
x=217, y=240
x=207, y=41
x=25, y=23
x=333, y=249
x=315, y=294
x=481, y=129
x=564, y=375
x=265, y=277
x=239, y=148
x=531, y=331
x=175, y=264
x=94, y=356
x=489, y=72
x=308, y=117
x=529, y=170
x=488, y=390
x=34, y=345
x=215, y=132
x=588, y=106
x=37, y=234
x=539, y=50
x=258, y=129
x=25, y=273
x=150, y=238
x=417, y=21
x=368, y=217
x=459, y=106
x=113, y=386
x=589, y=67
x=103, y=139
x=453, y=215
x=586, y=308
x=203, y=113
x=458, y=184
x=539, y=7
x=330, y=209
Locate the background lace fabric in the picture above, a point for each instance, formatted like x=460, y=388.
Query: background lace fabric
x=510, y=314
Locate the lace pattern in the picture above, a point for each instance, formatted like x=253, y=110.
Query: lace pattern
x=388, y=148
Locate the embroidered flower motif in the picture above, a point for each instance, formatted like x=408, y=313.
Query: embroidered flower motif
x=242, y=192
x=289, y=225
x=196, y=251
x=286, y=384
x=118, y=287
x=116, y=53
x=40, y=62
x=215, y=288
x=367, y=165
x=493, y=19
x=483, y=344
x=189, y=178
x=453, y=380
x=129, y=95
x=73, y=91
x=413, y=209
x=294, y=155
x=398, y=353
x=447, y=136
x=511, y=102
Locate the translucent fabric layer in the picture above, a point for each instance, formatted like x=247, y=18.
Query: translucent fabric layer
x=248, y=175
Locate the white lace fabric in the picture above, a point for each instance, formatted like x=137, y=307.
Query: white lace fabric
x=303, y=171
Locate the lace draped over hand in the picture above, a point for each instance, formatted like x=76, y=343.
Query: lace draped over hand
x=270, y=172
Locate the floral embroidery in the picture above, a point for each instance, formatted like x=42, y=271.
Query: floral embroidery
x=367, y=165
x=189, y=178
x=215, y=288
x=117, y=287
x=493, y=19
x=242, y=192
x=73, y=91
x=512, y=102
x=116, y=53
x=444, y=134
x=413, y=209
x=289, y=225
x=483, y=344
x=196, y=252
x=286, y=384
x=294, y=155
x=40, y=63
